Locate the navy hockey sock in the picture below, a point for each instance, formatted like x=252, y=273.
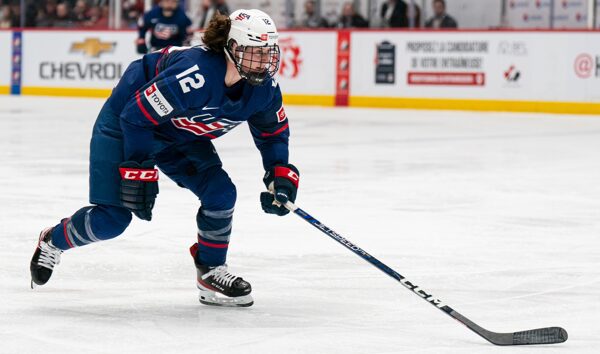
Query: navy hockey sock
x=214, y=230
x=90, y=224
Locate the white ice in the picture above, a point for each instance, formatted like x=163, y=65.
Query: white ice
x=496, y=214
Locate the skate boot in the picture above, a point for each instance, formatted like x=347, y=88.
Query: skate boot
x=218, y=287
x=45, y=257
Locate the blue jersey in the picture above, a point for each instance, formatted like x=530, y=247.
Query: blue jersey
x=165, y=31
x=178, y=96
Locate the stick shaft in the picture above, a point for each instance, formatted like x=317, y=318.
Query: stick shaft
x=546, y=335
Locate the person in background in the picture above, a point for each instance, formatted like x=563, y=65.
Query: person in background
x=440, y=18
x=394, y=14
x=5, y=16
x=209, y=8
x=80, y=11
x=31, y=10
x=64, y=17
x=168, y=24
x=132, y=10
x=350, y=18
x=310, y=18
x=46, y=14
x=98, y=17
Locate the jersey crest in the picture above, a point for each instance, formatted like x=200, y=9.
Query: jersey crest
x=165, y=31
x=205, y=125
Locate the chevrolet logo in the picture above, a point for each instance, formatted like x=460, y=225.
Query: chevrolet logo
x=92, y=47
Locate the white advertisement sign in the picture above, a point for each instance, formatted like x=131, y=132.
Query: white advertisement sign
x=528, y=13
x=523, y=66
x=570, y=14
x=73, y=59
x=536, y=14
x=82, y=59
x=308, y=61
x=5, y=57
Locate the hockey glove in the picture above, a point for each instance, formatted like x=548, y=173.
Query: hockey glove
x=139, y=187
x=141, y=46
x=282, y=183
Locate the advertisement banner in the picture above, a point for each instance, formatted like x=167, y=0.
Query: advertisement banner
x=5, y=61
x=540, y=66
x=91, y=63
x=81, y=60
x=533, y=71
x=570, y=14
x=566, y=14
x=308, y=61
x=422, y=64
x=528, y=13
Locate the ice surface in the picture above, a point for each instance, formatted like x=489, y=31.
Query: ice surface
x=496, y=214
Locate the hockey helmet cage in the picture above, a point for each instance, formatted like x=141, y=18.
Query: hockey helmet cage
x=252, y=45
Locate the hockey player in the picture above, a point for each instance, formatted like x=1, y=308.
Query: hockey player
x=168, y=25
x=165, y=110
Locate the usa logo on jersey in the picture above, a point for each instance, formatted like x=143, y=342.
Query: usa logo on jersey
x=205, y=125
x=165, y=31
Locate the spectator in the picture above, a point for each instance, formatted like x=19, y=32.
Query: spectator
x=98, y=17
x=440, y=19
x=5, y=17
x=210, y=8
x=350, y=18
x=64, y=18
x=394, y=14
x=132, y=10
x=31, y=12
x=47, y=14
x=15, y=15
x=80, y=11
x=310, y=18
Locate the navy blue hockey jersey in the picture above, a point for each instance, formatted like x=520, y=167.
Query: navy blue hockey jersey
x=179, y=95
x=165, y=31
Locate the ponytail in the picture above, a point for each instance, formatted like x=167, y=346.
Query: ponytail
x=217, y=32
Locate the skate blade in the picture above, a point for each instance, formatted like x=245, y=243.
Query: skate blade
x=211, y=298
x=226, y=304
x=33, y=285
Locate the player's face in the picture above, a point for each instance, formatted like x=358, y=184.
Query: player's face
x=256, y=59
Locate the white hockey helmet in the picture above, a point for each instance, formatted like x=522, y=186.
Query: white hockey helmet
x=252, y=45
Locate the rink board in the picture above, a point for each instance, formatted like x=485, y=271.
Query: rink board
x=5, y=61
x=526, y=71
x=89, y=64
x=536, y=71
x=79, y=64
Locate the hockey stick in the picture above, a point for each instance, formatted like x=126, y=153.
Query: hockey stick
x=547, y=335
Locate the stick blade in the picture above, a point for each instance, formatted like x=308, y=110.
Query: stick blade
x=546, y=335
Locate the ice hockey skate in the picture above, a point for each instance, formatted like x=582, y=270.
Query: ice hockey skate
x=218, y=287
x=45, y=258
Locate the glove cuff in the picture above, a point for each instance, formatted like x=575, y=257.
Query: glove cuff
x=287, y=171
